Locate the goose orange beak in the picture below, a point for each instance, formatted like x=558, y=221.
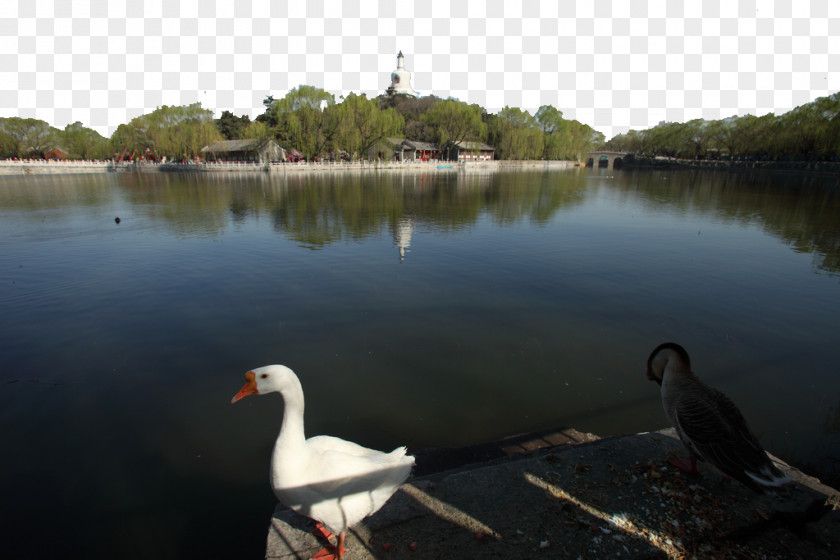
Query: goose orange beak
x=250, y=388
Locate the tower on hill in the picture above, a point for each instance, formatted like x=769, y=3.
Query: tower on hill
x=401, y=80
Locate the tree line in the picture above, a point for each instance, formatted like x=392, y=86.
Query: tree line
x=313, y=122
x=175, y=132
x=809, y=131
x=310, y=120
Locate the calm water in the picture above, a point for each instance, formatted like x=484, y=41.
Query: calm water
x=422, y=309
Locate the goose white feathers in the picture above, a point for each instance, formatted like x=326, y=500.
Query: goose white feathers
x=709, y=425
x=333, y=481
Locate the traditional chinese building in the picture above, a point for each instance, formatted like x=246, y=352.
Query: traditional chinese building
x=473, y=151
x=423, y=151
x=256, y=151
x=399, y=149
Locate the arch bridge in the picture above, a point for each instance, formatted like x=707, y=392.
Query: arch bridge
x=595, y=158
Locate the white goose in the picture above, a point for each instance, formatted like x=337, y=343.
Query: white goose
x=333, y=481
x=709, y=424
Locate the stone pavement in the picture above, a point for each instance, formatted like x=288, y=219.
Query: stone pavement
x=563, y=494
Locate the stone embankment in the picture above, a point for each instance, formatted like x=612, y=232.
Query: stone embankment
x=51, y=167
x=808, y=166
x=564, y=494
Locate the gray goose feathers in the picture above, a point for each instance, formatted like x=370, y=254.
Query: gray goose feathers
x=709, y=424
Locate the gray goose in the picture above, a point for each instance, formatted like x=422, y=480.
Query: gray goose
x=709, y=425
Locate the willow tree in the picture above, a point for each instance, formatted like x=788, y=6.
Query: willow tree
x=180, y=132
x=21, y=137
x=811, y=129
x=633, y=141
x=516, y=134
x=583, y=139
x=363, y=124
x=177, y=132
x=256, y=130
x=827, y=116
x=453, y=122
x=82, y=142
x=131, y=139
x=555, y=129
x=304, y=120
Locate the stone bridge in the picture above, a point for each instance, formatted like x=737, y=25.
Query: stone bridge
x=595, y=158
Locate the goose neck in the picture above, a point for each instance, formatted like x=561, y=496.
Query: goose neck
x=291, y=432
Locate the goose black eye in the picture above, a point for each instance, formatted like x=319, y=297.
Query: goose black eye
x=264, y=376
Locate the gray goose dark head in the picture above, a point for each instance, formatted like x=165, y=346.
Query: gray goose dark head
x=668, y=353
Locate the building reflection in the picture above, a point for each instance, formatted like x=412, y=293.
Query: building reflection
x=403, y=230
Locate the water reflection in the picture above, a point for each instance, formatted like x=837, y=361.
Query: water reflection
x=402, y=232
x=801, y=211
x=318, y=210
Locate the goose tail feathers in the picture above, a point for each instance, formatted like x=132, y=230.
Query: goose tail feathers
x=769, y=475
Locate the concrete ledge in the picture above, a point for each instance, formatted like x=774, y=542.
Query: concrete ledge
x=43, y=167
x=40, y=167
x=609, y=498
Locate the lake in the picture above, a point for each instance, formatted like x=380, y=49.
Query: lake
x=428, y=309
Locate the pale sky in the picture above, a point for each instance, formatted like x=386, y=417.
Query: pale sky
x=612, y=64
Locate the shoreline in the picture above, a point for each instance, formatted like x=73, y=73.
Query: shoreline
x=808, y=167
x=562, y=493
x=51, y=167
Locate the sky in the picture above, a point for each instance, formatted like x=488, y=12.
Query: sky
x=615, y=65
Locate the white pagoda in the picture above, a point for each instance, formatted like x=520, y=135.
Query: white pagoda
x=401, y=80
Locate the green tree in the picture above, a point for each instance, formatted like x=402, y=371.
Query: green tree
x=696, y=138
x=83, y=143
x=828, y=115
x=745, y=136
x=516, y=134
x=582, y=140
x=813, y=128
x=175, y=132
x=363, y=124
x=231, y=127
x=412, y=110
x=453, y=122
x=632, y=141
x=304, y=120
x=555, y=130
x=26, y=137
x=130, y=140
x=269, y=117
x=257, y=129
x=8, y=145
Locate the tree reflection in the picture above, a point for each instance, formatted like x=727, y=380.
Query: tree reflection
x=800, y=210
x=317, y=209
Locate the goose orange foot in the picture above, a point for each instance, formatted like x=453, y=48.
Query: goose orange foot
x=322, y=532
x=688, y=466
x=331, y=552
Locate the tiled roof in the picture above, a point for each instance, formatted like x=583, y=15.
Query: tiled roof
x=427, y=146
x=475, y=146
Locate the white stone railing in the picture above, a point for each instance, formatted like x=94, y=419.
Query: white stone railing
x=38, y=166
x=19, y=167
x=53, y=162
